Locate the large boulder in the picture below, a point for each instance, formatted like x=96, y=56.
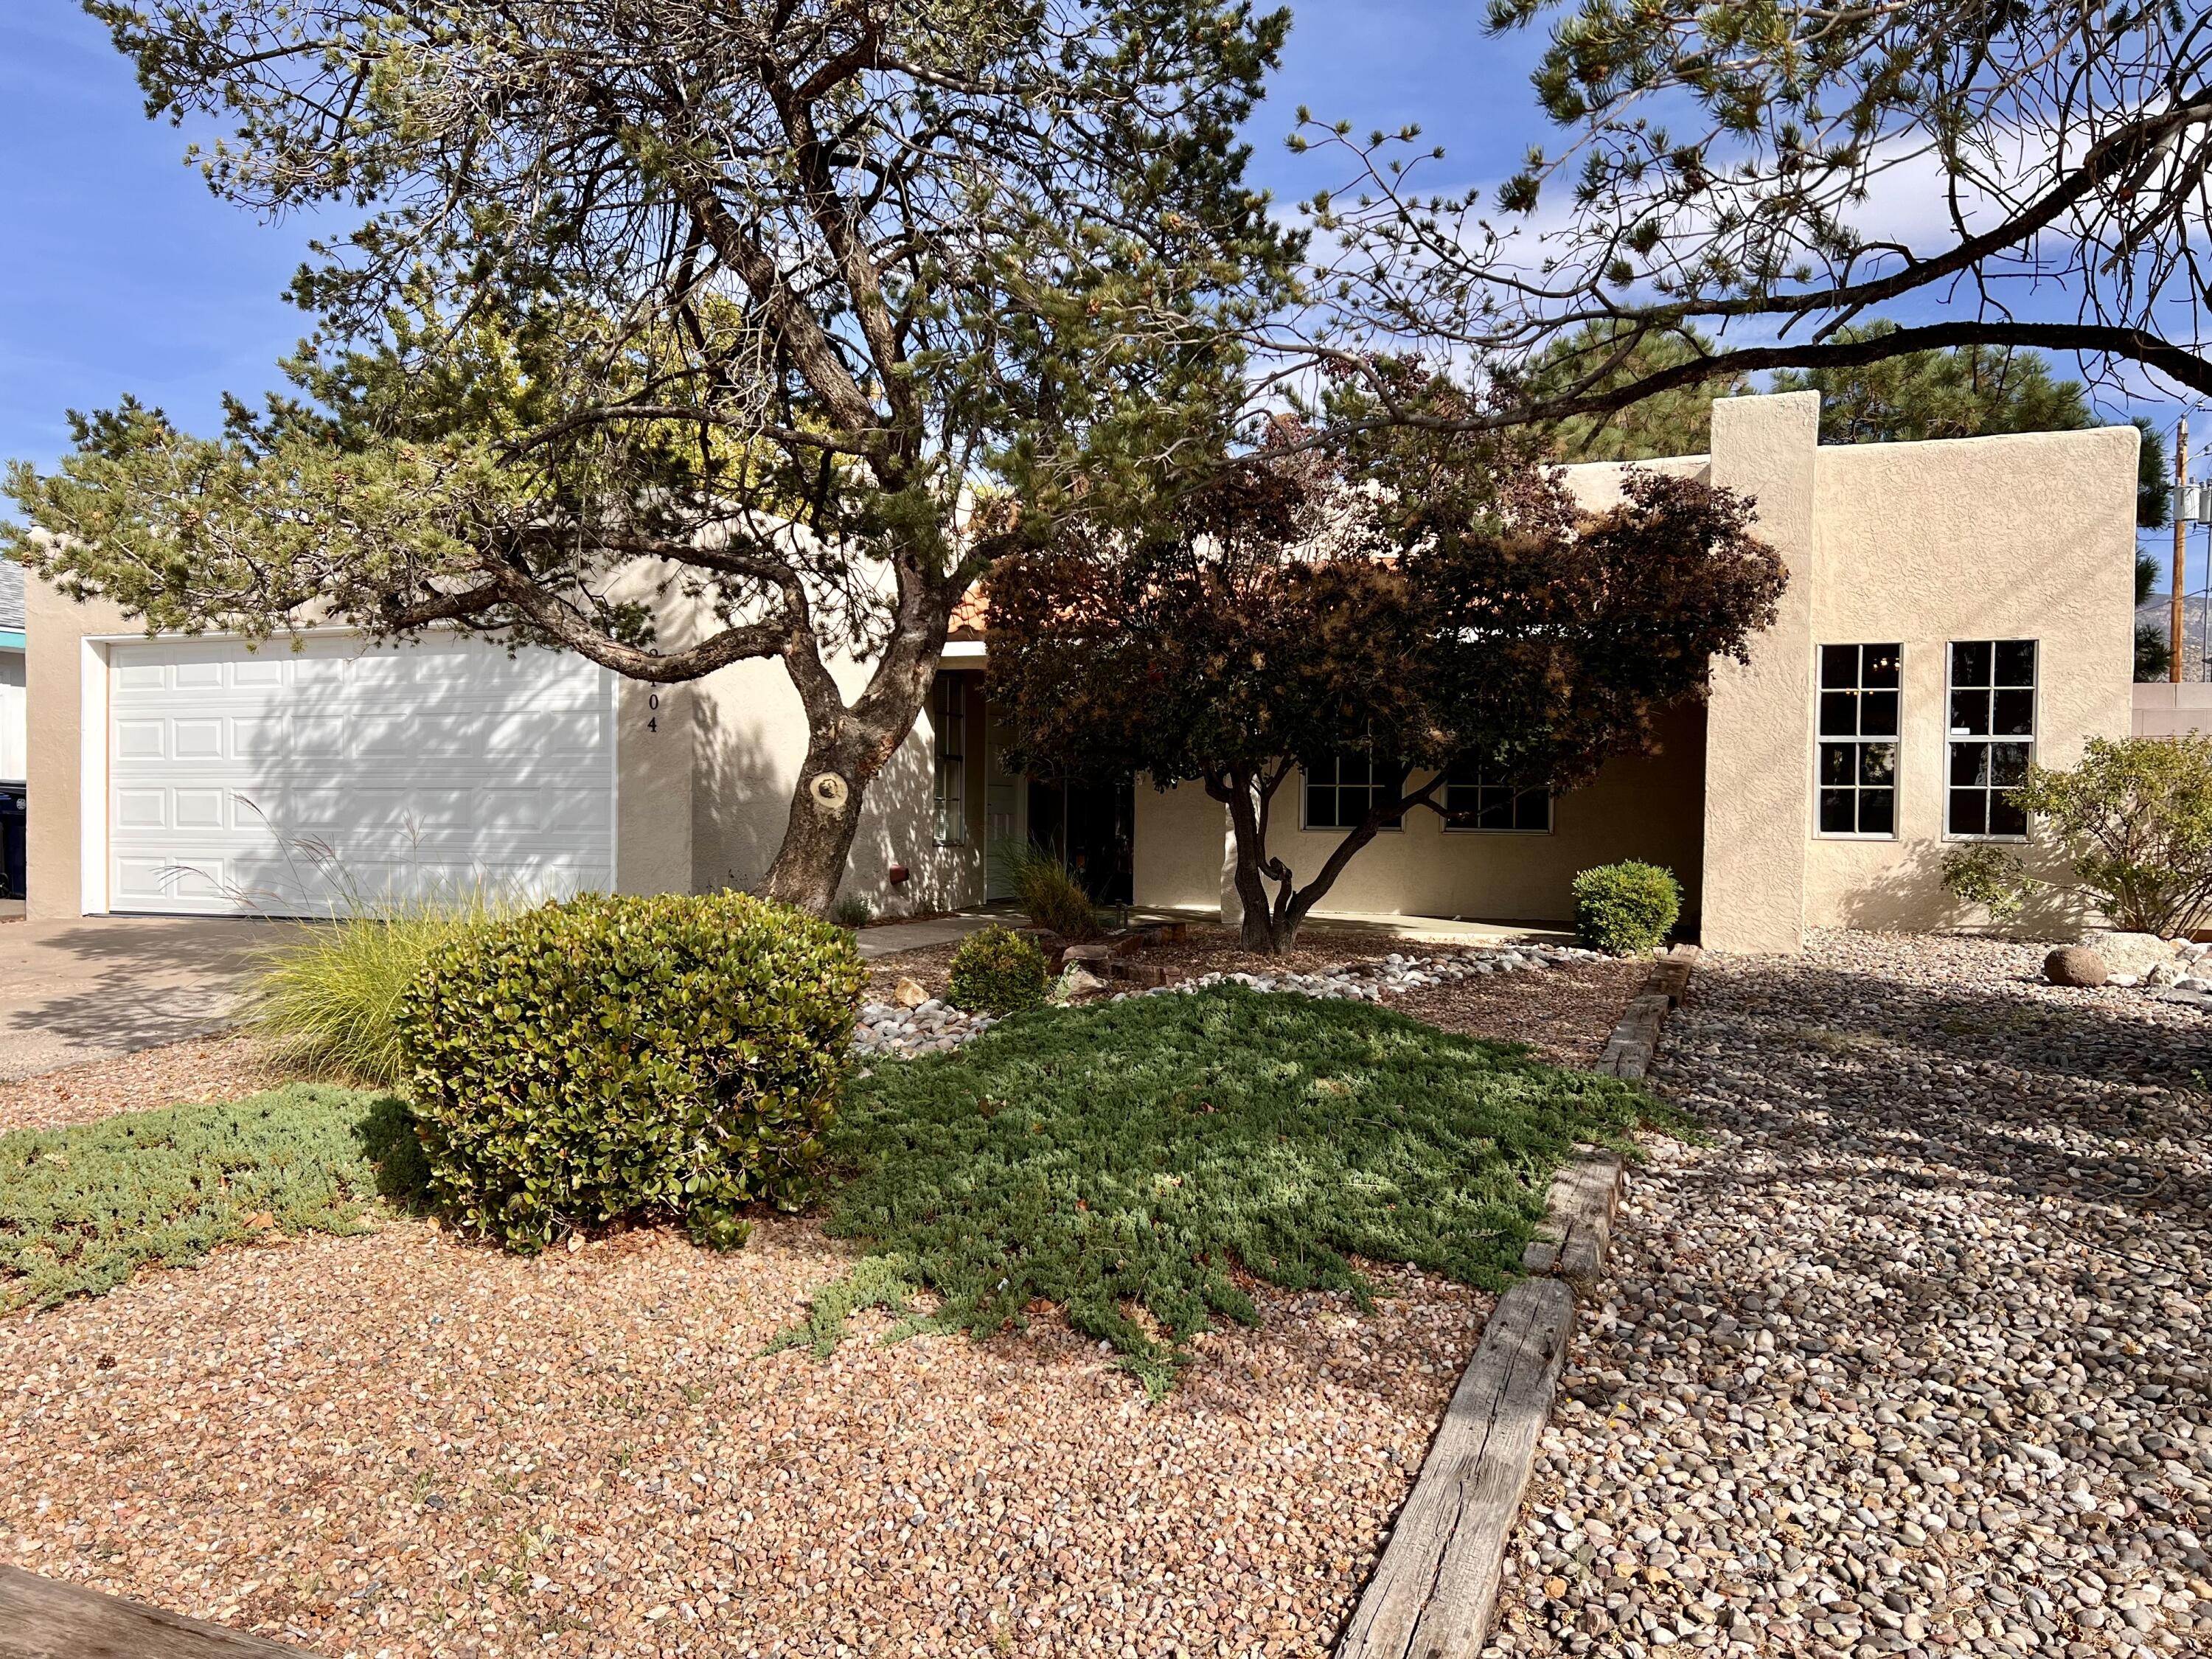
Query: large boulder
x=2132, y=954
x=2075, y=964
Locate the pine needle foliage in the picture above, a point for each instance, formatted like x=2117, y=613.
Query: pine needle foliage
x=82, y=1208
x=1126, y=1160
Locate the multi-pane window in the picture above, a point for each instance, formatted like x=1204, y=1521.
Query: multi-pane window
x=1858, y=739
x=1476, y=799
x=948, y=717
x=1342, y=789
x=1992, y=737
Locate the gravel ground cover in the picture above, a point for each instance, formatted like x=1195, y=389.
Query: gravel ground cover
x=225, y=1067
x=1913, y=1357
x=405, y=1446
x=1441, y=985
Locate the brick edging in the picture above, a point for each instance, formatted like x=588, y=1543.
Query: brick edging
x=1433, y=1592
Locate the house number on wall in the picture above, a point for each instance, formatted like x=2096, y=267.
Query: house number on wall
x=653, y=701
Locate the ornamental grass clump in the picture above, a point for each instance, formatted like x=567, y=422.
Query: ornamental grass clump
x=328, y=996
x=1624, y=910
x=670, y=1057
x=997, y=971
x=1049, y=895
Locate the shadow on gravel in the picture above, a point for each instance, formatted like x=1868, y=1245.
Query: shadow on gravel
x=1998, y=1083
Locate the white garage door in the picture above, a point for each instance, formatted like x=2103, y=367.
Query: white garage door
x=294, y=783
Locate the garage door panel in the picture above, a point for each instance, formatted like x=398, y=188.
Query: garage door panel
x=197, y=739
x=282, y=781
x=255, y=673
x=198, y=809
x=539, y=734
x=154, y=881
x=140, y=739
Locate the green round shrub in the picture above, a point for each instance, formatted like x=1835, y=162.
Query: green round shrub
x=674, y=1056
x=1625, y=909
x=996, y=972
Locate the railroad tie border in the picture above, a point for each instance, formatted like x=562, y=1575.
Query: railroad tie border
x=1434, y=1591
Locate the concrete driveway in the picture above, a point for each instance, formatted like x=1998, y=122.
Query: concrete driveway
x=90, y=987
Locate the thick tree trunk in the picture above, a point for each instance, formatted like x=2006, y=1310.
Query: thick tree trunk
x=825, y=814
x=846, y=747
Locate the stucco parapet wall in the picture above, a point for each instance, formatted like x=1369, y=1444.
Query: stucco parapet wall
x=2166, y=708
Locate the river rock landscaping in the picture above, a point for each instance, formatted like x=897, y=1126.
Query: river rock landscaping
x=935, y=1026
x=1912, y=1358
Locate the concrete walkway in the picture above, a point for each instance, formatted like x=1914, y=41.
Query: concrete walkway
x=889, y=938
x=90, y=987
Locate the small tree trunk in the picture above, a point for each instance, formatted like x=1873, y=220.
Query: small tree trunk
x=1271, y=929
x=1258, y=932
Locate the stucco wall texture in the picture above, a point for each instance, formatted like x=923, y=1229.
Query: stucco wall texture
x=2029, y=536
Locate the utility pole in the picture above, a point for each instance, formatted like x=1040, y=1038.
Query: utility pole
x=2180, y=537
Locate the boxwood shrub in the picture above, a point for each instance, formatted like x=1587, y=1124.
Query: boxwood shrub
x=996, y=971
x=1625, y=909
x=603, y=1057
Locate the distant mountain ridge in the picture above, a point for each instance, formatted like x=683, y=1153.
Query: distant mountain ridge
x=2195, y=628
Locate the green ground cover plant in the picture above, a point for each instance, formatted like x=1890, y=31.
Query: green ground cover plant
x=1133, y=1155
x=82, y=1208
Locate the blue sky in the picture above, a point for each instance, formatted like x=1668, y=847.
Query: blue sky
x=122, y=273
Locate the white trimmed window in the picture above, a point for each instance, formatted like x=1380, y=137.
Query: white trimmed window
x=1342, y=789
x=1860, y=685
x=1475, y=800
x=948, y=719
x=1992, y=738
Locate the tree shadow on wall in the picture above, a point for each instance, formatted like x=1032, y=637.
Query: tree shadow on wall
x=1910, y=897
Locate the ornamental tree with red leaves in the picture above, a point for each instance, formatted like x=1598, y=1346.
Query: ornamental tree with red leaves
x=1426, y=605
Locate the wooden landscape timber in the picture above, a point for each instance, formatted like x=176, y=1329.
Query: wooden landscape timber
x=1434, y=1592
x=46, y=1619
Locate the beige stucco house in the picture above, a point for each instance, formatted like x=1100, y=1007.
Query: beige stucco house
x=1954, y=609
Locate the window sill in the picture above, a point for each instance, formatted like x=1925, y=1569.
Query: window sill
x=1476, y=829
x=1852, y=835
x=2000, y=841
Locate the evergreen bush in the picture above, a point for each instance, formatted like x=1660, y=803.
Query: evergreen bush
x=604, y=1057
x=1625, y=909
x=996, y=972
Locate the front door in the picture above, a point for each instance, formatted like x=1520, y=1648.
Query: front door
x=1092, y=829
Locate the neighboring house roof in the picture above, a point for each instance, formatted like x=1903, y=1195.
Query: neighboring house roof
x=11, y=597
